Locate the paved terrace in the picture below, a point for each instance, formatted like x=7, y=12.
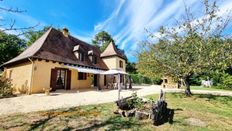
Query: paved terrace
x=62, y=99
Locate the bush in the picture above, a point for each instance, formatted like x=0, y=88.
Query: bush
x=216, y=77
x=196, y=80
x=222, y=81
x=227, y=81
x=134, y=102
x=140, y=79
x=135, y=78
x=5, y=88
x=157, y=80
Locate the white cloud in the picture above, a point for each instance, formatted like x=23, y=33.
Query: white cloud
x=85, y=38
x=113, y=15
x=141, y=12
x=134, y=17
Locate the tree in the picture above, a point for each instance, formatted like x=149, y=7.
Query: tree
x=192, y=47
x=131, y=67
x=7, y=25
x=10, y=46
x=33, y=35
x=102, y=40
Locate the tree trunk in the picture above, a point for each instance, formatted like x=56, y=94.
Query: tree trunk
x=187, y=87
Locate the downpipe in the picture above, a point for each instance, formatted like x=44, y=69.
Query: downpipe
x=32, y=74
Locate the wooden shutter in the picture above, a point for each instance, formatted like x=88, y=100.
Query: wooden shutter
x=104, y=80
x=53, y=79
x=68, y=86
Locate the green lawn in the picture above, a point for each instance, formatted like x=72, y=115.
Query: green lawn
x=207, y=88
x=207, y=111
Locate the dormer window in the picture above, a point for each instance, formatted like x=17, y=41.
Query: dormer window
x=94, y=60
x=92, y=57
x=80, y=55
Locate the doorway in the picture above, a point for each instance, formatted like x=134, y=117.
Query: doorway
x=60, y=79
x=95, y=80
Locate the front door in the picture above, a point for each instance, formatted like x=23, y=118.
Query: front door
x=60, y=79
x=95, y=80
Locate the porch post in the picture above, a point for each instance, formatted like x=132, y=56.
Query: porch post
x=119, y=86
x=98, y=82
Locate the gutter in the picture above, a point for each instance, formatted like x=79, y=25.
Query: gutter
x=32, y=74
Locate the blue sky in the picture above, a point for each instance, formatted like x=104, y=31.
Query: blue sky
x=125, y=20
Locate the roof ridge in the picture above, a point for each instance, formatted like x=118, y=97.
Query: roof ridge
x=71, y=36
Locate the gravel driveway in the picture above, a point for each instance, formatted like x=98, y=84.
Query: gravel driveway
x=61, y=99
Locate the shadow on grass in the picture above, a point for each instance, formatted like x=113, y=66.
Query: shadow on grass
x=41, y=122
x=178, y=95
x=113, y=123
x=223, y=99
x=49, y=116
x=14, y=126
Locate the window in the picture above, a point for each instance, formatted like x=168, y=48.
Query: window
x=94, y=60
x=76, y=54
x=82, y=76
x=81, y=56
x=120, y=64
x=165, y=80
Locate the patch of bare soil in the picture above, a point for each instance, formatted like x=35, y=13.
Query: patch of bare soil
x=196, y=122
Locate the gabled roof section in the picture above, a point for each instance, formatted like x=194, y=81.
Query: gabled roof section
x=30, y=51
x=53, y=45
x=111, y=50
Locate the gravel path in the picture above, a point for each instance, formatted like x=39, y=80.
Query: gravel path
x=62, y=99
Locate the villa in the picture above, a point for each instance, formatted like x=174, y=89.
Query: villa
x=57, y=60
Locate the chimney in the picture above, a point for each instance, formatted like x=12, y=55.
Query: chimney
x=65, y=32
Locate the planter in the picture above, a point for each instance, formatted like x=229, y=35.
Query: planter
x=47, y=91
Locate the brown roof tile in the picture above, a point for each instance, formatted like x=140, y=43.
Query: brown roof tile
x=111, y=50
x=53, y=45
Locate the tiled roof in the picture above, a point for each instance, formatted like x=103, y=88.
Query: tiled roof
x=111, y=50
x=53, y=45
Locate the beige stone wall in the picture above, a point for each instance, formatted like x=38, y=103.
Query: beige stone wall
x=168, y=82
x=20, y=76
x=23, y=76
x=42, y=75
x=113, y=62
x=80, y=84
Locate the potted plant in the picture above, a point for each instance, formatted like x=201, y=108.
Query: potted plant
x=47, y=91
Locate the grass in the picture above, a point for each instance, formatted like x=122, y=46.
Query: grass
x=213, y=111
x=207, y=88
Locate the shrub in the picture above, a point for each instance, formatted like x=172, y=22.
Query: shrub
x=157, y=80
x=5, y=88
x=135, y=101
x=195, y=80
x=227, y=81
x=222, y=82
x=135, y=78
x=140, y=79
